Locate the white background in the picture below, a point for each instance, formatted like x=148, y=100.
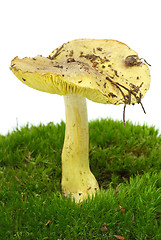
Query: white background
x=29, y=28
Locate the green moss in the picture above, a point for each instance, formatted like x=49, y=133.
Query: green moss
x=127, y=158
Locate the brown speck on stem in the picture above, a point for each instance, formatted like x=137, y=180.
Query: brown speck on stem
x=79, y=81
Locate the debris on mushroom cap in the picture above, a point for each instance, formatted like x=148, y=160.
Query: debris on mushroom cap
x=104, y=71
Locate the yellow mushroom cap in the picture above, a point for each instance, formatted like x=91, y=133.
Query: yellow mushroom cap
x=104, y=71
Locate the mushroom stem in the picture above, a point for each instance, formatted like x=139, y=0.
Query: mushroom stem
x=77, y=179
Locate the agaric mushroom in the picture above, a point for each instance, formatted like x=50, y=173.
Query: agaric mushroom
x=104, y=71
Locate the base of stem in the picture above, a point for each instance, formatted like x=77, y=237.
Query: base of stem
x=86, y=188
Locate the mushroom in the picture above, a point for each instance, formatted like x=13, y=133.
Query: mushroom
x=104, y=71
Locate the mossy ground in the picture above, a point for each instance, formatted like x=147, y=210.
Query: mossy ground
x=126, y=162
